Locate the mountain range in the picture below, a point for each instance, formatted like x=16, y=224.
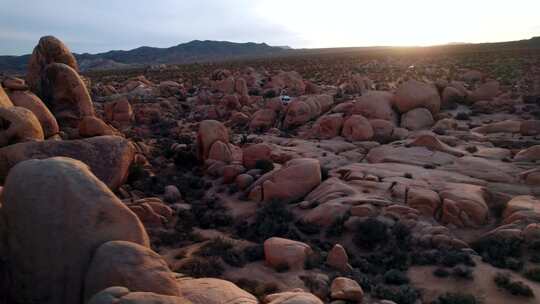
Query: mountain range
x=191, y=52
x=211, y=51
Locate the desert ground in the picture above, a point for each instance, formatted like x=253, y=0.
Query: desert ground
x=386, y=175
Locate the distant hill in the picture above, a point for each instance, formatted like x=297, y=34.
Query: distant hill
x=191, y=52
x=211, y=51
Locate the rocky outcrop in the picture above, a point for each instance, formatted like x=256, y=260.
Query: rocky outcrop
x=288, y=184
x=31, y=102
x=109, y=157
x=414, y=94
x=69, y=203
x=127, y=264
x=66, y=95
x=19, y=125
x=306, y=108
x=280, y=252
x=48, y=50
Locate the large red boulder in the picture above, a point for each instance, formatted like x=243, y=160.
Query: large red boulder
x=415, y=94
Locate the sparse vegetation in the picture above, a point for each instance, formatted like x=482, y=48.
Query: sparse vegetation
x=201, y=267
x=517, y=288
x=456, y=298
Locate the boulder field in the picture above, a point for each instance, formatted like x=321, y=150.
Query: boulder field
x=413, y=181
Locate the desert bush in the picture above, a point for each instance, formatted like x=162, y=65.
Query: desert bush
x=273, y=219
x=395, y=277
x=533, y=274
x=257, y=288
x=211, y=213
x=441, y=272
x=337, y=227
x=370, y=233
x=456, y=298
x=403, y=294
x=283, y=267
x=504, y=281
x=264, y=165
x=215, y=247
x=498, y=251
x=462, y=272
x=199, y=267
x=254, y=253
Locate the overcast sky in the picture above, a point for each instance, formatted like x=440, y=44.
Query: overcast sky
x=101, y=25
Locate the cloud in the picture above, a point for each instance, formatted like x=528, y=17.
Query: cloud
x=99, y=25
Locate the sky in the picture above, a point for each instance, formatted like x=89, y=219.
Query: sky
x=101, y=25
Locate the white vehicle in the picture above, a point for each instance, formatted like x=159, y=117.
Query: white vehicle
x=285, y=99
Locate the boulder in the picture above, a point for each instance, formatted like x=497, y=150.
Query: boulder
x=486, y=91
x=53, y=230
x=424, y=200
x=253, y=153
x=109, y=157
x=417, y=119
x=210, y=131
x=91, y=126
x=280, y=252
x=119, y=111
x=328, y=126
x=434, y=144
x=505, y=126
x=290, y=183
x=414, y=94
x=346, y=289
x=357, y=128
x=66, y=95
x=306, y=108
x=355, y=84
x=290, y=81
x=530, y=127
x=220, y=151
x=338, y=258
x=375, y=105
x=121, y=263
x=19, y=125
x=122, y=295
x=30, y=101
x=383, y=130
x=263, y=119
x=528, y=155
x=213, y=291
x=14, y=84
x=522, y=207
x=4, y=99
x=452, y=95
x=48, y=50
x=292, y=297
x=464, y=205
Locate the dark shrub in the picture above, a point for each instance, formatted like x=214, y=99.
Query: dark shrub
x=456, y=298
x=441, y=272
x=370, y=233
x=215, y=247
x=533, y=274
x=199, y=267
x=462, y=272
x=395, y=277
x=257, y=288
x=497, y=251
x=504, y=281
x=403, y=294
x=273, y=219
x=254, y=253
x=264, y=165
x=284, y=267
x=462, y=116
